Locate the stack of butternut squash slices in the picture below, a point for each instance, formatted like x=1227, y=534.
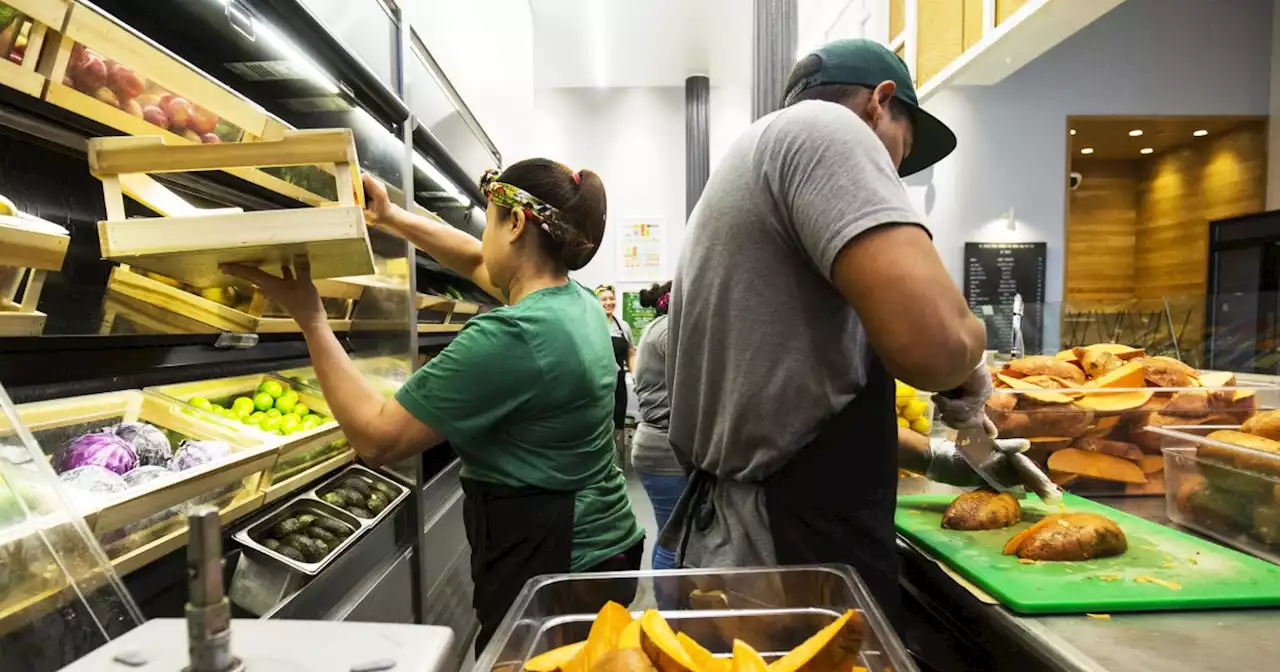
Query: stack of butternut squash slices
x=1085, y=411
x=619, y=643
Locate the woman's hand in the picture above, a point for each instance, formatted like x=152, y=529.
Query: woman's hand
x=378, y=208
x=295, y=292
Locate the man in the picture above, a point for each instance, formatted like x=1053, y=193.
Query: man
x=812, y=284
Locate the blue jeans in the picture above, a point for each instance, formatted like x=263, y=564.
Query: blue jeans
x=663, y=491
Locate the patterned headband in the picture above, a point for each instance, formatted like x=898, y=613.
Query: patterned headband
x=512, y=197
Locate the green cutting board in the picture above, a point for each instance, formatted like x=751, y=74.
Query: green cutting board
x=1210, y=576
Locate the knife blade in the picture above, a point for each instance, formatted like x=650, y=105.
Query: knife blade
x=980, y=451
x=988, y=460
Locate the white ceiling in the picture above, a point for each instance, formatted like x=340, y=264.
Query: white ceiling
x=613, y=43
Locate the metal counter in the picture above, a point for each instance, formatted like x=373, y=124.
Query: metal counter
x=1201, y=641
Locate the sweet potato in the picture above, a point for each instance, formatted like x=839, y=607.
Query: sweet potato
x=1002, y=401
x=1263, y=454
x=1098, y=363
x=1121, y=449
x=1266, y=524
x=1219, y=384
x=1114, y=402
x=1265, y=424
x=1096, y=465
x=1044, y=366
x=623, y=660
x=659, y=643
x=1029, y=390
x=1049, y=382
x=834, y=647
x=1167, y=372
x=1049, y=444
x=1188, y=404
x=703, y=659
x=1127, y=375
x=746, y=659
x=982, y=510
x=1124, y=352
x=1065, y=420
x=1070, y=537
x=555, y=659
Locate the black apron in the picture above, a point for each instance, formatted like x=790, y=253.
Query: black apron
x=833, y=502
x=621, y=348
x=516, y=534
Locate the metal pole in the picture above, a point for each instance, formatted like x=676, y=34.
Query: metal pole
x=773, y=50
x=697, y=139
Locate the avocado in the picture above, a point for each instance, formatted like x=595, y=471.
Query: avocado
x=307, y=519
x=271, y=544
x=353, y=498
x=337, y=527
x=335, y=497
x=385, y=489
x=287, y=527
x=358, y=484
x=376, y=503
x=323, y=535
x=319, y=549
x=359, y=512
x=291, y=553
x=296, y=541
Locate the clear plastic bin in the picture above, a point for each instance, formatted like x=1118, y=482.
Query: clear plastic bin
x=773, y=609
x=1227, y=492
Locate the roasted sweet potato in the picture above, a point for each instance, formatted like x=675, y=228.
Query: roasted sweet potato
x=1097, y=363
x=1265, y=424
x=1263, y=454
x=1213, y=508
x=1049, y=382
x=1096, y=465
x=1044, y=366
x=1122, y=449
x=1188, y=404
x=982, y=510
x=1168, y=372
x=1002, y=401
x=1070, y=537
x=1065, y=420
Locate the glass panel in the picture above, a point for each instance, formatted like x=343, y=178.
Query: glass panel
x=365, y=28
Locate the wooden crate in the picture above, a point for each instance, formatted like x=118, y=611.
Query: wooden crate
x=447, y=314
x=190, y=248
x=39, y=18
x=301, y=458
x=29, y=249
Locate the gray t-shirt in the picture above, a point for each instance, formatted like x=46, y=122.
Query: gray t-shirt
x=763, y=348
x=650, y=450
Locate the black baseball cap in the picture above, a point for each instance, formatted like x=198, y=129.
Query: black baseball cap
x=867, y=63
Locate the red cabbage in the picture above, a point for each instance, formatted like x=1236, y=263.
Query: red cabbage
x=96, y=448
x=148, y=442
x=192, y=454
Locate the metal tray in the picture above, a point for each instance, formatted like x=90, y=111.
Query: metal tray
x=247, y=536
x=330, y=483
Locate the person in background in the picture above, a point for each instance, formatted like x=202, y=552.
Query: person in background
x=661, y=475
x=523, y=393
x=624, y=353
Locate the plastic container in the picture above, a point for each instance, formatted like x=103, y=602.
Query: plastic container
x=1116, y=422
x=773, y=609
x=1224, y=491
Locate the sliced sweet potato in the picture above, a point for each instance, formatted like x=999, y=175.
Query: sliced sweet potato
x=702, y=658
x=1130, y=375
x=629, y=638
x=1072, y=536
x=982, y=510
x=555, y=659
x=1244, y=403
x=1167, y=372
x=1002, y=401
x=662, y=647
x=1216, y=379
x=1098, y=363
x=747, y=659
x=1151, y=464
x=1125, y=352
x=1263, y=454
x=1067, y=356
x=1011, y=546
x=1096, y=465
x=624, y=660
x=834, y=647
x=1033, y=391
x=1049, y=382
x=1063, y=480
x=1265, y=424
x=1188, y=404
x=1050, y=443
x=1114, y=402
x=1120, y=449
x=1044, y=366
x=605, y=632
x=1058, y=420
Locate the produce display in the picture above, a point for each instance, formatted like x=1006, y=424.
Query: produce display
x=308, y=536
x=273, y=408
x=913, y=411
x=1085, y=410
x=117, y=85
x=619, y=643
x=359, y=496
x=982, y=510
x=1065, y=537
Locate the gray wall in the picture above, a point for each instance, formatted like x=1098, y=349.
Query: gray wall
x=1146, y=57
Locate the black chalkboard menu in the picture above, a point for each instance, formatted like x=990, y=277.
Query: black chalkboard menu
x=993, y=274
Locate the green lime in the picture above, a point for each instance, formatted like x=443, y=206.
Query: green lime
x=255, y=418
x=242, y=414
x=300, y=409
x=277, y=432
x=286, y=404
x=291, y=424
x=272, y=388
x=270, y=423
x=274, y=413
x=263, y=401
x=225, y=412
x=311, y=421
x=201, y=403
x=242, y=402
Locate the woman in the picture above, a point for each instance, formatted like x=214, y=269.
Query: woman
x=624, y=354
x=661, y=475
x=524, y=393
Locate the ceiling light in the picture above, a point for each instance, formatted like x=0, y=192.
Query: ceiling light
x=1073, y=131
x=1087, y=150
x=1200, y=133
x=284, y=47
x=1146, y=150
x=434, y=174
x=1135, y=132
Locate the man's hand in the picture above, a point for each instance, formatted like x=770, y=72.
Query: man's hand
x=294, y=292
x=965, y=406
x=378, y=208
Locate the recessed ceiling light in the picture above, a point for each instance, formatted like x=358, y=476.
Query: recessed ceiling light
x=1200, y=133
x=1086, y=150
x=1146, y=150
x=1135, y=132
x=1073, y=131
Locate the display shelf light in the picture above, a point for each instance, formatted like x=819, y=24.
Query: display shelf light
x=435, y=175
x=1137, y=132
x=286, y=48
x=1146, y=150
x=1086, y=150
x=1201, y=133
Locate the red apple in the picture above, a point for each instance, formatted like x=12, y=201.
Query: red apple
x=179, y=111
x=164, y=100
x=203, y=121
x=191, y=135
x=149, y=100
x=107, y=96
x=210, y=139
x=132, y=107
x=155, y=116
x=125, y=82
x=15, y=57
x=92, y=74
x=66, y=81
x=78, y=52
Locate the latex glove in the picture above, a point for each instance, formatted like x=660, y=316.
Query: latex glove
x=965, y=406
x=947, y=464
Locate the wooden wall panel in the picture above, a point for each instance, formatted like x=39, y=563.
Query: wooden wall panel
x=897, y=17
x=1102, y=227
x=940, y=31
x=972, y=22
x=1006, y=7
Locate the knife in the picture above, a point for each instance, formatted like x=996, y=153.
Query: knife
x=991, y=461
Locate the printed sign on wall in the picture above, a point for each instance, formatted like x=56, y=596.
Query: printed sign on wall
x=641, y=250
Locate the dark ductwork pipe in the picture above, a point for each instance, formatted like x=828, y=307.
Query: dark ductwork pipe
x=697, y=139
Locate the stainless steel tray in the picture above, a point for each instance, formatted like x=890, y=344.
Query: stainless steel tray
x=248, y=535
x=370, y=474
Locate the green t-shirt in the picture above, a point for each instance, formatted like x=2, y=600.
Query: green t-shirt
x=524, y=394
